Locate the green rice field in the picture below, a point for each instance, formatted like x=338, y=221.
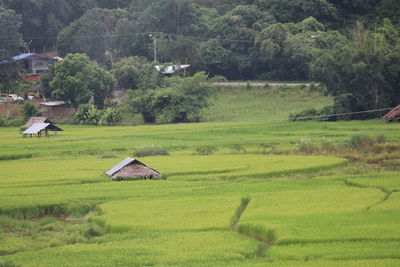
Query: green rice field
x=254, y=199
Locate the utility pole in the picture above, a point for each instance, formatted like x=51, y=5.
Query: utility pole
x=154, y=46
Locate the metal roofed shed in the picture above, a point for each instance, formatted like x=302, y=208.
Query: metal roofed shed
x=132, y=169
x=41, y=128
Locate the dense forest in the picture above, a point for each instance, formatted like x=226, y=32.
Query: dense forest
x=353, y=47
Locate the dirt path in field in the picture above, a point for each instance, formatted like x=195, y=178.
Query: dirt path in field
x=222, y=84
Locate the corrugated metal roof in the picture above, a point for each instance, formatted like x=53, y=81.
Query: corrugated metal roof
x=393, y=113
x=23, y=56
x=34, y=120
x=52, y=103
x=171, y=69
x=35, y=128
x=120, y=165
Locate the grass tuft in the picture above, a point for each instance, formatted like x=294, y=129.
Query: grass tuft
x=148, y=151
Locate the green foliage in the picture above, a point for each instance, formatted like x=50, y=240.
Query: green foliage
x=11, y=43
x=29, y=109
x=111, y=116
x=180, y=100
x=325, y=114
x=206, y=150
x=363, y=74
x=75, y=79
x=11, y=122
x=89, y=114
x=16, y=156
x=102, y=23
x=147, y=151
x=136, y=73
x=363, y=142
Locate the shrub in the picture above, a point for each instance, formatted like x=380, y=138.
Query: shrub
x=8, y=264
x=362, y=142
x=15, y=156
x=30, y=110
x=236, y=148
x=314, y=114
x=306, y=146
x=206, y=150
x=147, y=151
x=3, y=121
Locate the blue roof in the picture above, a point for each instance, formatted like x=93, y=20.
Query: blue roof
x=22, y=56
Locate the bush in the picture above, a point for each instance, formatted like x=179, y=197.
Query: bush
x=314, y=114
x=237, y=148
x=8, y=264
x=206, y=150
x=306, y=146
x=30, y=110
x=12, y=122
x=3, y=121
x=361, y=142
x=148, y=151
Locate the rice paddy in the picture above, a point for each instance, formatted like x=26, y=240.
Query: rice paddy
x=58, y=209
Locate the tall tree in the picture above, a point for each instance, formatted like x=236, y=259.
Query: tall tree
x=94, y=34
x=75, y=79
x=365, y=73
x=11, y=43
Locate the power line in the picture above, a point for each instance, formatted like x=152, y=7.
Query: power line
x=314, y=117
x=88, y=37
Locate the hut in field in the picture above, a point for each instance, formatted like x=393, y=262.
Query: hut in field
x=393, y=115
x=132, y=169
x=34, y=120
x=41, y=129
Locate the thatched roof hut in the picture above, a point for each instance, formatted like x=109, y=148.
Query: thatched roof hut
x=393, y=115
x=34, y=120
x=131, y=169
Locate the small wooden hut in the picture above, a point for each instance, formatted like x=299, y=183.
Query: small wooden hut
x=132, y=169
x=34, y=120
x=393, y=115
x=41, y=129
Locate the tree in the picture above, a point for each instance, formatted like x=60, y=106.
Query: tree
x=136, y=73
x=30, y=110
x=75, y=79
x=364, y=74
x=10, y=44
x=94, y=34
x=290, y=47
x=181, y=100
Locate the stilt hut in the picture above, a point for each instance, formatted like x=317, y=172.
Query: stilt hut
x=393, y=115
x=41, y=129
x=132, y=169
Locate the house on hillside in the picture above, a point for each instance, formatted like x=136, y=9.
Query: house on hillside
x=34, y=63
x=34, y=120
x=393, y=115
x=41, y=129
x=132, y=169
x=170, y=70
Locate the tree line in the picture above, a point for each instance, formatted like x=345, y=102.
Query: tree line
x=350, y=46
